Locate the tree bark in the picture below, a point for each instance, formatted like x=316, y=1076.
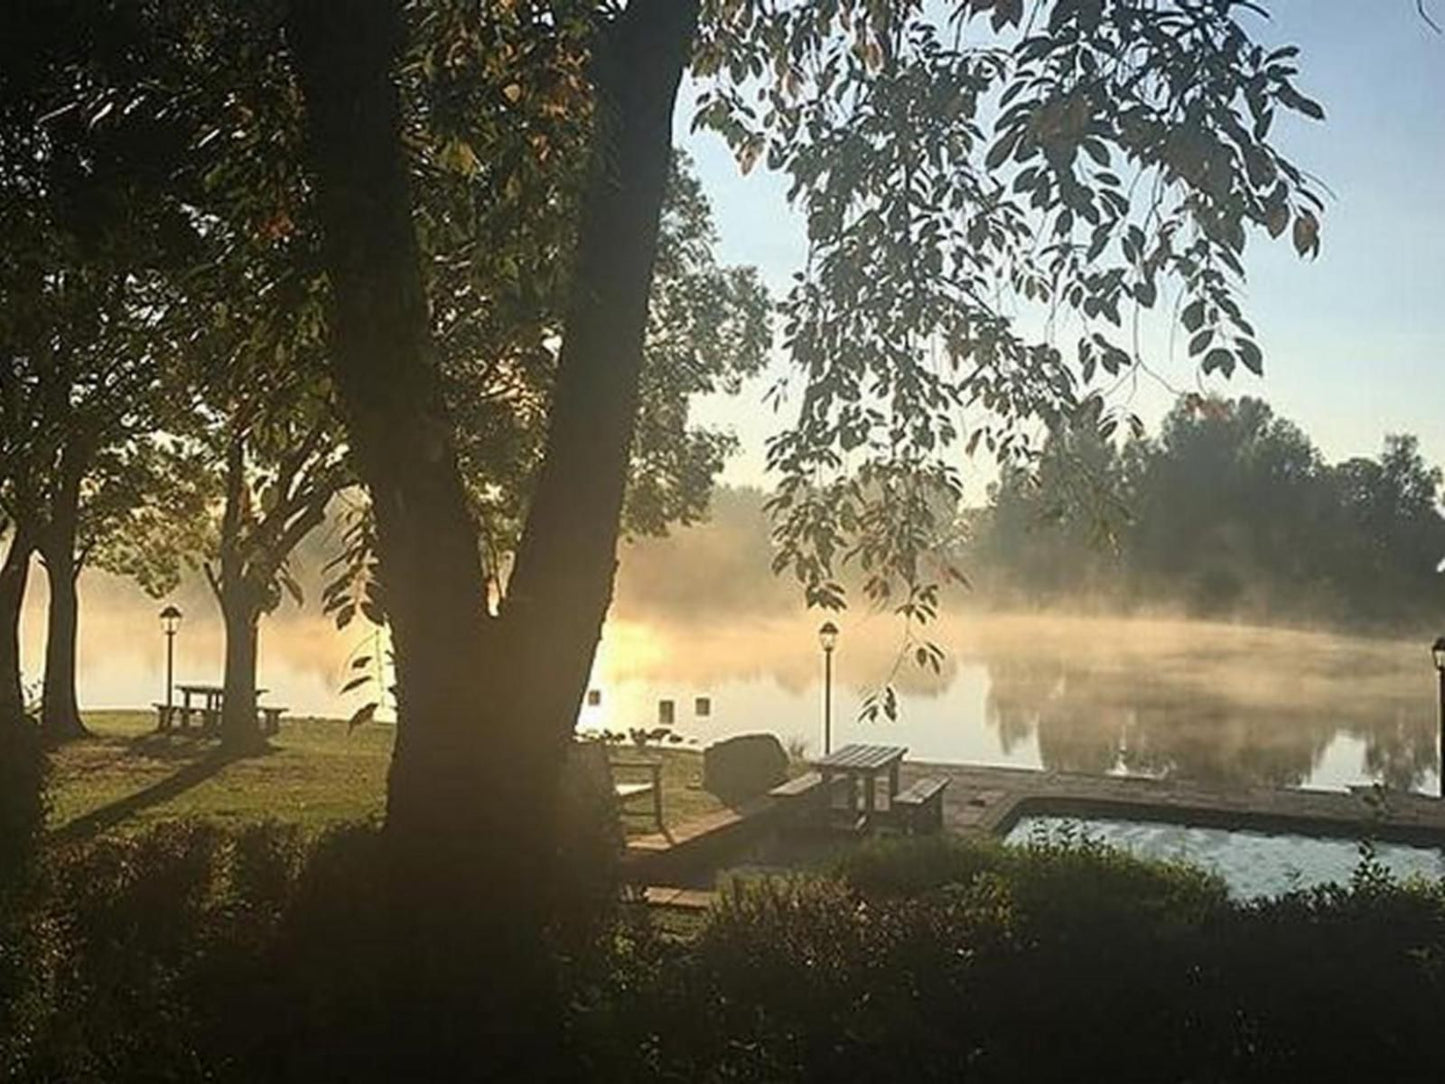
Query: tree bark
x=240, y=610
x=60, y=712
x=391, y=399
x=14, y=574
x=484, y=705
x=240, y=731
x=465, y=941
x=561, y=585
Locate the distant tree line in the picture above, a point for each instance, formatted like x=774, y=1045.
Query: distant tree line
x=1229, y=510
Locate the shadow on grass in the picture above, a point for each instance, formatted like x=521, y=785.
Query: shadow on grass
x=191, y=775
x=172, y=745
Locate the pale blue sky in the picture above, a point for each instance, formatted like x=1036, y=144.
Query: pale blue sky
x=1355, y=340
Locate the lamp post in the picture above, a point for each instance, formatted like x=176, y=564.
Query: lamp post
x=828, y=638
x=170, y=622
x=1437, y=651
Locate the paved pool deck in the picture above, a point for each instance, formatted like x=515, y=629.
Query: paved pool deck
x=989, y=800
x=983, y=800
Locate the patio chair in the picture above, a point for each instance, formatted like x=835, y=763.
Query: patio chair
x=603, y=768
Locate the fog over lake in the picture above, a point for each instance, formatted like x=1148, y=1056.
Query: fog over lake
x=1209, y=701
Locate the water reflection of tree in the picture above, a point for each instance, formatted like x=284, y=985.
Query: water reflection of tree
x=1400, y=751
x=1018, y=690
x=1111, y=715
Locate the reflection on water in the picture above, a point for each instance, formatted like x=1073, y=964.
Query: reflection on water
x=1194, y=700
x=1210, y=702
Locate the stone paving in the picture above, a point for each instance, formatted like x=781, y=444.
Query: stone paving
x=990, y=800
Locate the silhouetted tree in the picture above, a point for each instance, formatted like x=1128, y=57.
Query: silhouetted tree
x=477, y=740
x=93, y=221
x=1230, y=509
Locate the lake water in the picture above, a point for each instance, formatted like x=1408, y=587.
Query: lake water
x=1251, y=863
x=1212, y=702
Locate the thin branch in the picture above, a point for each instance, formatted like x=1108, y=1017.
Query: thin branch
x=212, y=579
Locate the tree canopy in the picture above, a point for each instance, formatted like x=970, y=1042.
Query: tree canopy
x=992, y=195
x=1230, y=510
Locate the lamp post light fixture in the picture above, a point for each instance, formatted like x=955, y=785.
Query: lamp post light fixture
x=1437, y=651
x=828, y=638
x=170, y=623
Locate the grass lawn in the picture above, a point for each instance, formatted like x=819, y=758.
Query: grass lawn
x=316, y=774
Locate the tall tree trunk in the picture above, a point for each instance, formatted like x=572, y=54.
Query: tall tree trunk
x=241, y=616
x=483, y=705
x=465, y=926
x=60, y=712
x=240, y=608
x=391, y=400
x=561, y=585
x=14, y=574
x=22, y=761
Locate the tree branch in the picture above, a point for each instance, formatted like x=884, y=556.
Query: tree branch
x=212, y=580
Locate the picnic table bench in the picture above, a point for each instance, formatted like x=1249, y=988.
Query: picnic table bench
x=919, y=809
x=209, y=709
x=804, y=798
x=270, y=718
x=860, y=763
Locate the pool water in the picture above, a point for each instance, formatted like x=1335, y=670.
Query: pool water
x=1251, y=863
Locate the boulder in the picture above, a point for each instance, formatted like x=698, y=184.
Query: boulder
x=740, y=768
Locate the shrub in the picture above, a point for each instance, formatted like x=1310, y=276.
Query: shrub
x=949, y=960
x=195, y=954
x=22, y=801
x=912, y=866
x=22, y=822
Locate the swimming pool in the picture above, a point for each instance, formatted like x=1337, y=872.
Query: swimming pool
x=1251, y=863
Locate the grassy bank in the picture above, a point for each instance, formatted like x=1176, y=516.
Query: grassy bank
x=315, y=774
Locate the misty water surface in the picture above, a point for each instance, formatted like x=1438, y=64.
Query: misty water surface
x=1213, y=702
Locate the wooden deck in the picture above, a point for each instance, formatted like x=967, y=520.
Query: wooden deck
x=675, y=857
x=991, y=800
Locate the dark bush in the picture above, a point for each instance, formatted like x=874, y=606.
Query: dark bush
x=195, y=954
x=944, y=960
x=22, y=801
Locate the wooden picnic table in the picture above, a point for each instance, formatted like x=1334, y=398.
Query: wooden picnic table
x=211, y=693
x=211, y=697
x=863, y=763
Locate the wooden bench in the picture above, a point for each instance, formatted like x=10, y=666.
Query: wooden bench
x=175, y=715
x=270, y=718
x=919, y=809
x=809, y=786
x=591, y=759
x=804, y=798
x=628, y=791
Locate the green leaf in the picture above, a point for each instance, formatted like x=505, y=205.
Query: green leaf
x=1251, y=357
x=1193, y=315
x=1307, y=234
x=363, y=714
x=1218, y=358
